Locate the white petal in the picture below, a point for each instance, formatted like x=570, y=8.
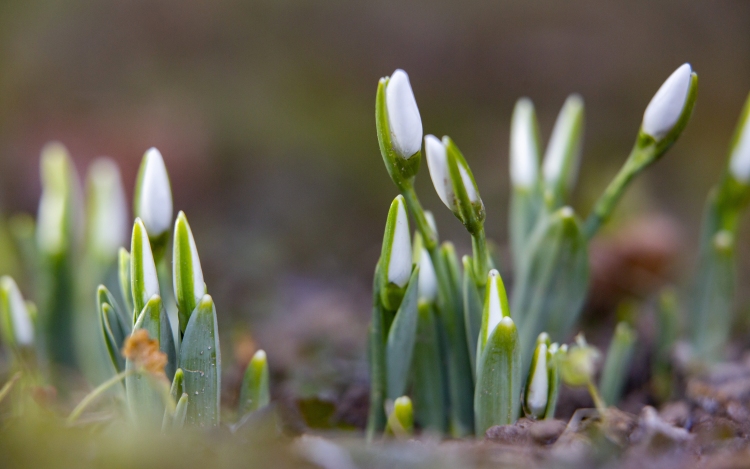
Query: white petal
x=23, y=328
x=666, y=106
x=495, y=308
x=403, y=115
x=399, y=265
x=428, y=288
x=437, y=162
x=471, y=191
x=739, y=162
x=523, y=145
x=538, y=389
x=155, y=201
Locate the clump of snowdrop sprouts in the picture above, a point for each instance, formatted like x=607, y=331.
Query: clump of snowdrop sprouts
x=153, y=199
x=663, y=121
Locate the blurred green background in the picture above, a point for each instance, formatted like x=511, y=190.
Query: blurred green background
x=264, y=112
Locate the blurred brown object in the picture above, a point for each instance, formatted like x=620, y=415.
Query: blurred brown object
x=633, y=261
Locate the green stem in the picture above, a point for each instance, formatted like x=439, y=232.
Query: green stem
x=9, y=385
x=481, y=256
x=598, y=401
x=611, y=196
x=93, y=395
x=429, y=237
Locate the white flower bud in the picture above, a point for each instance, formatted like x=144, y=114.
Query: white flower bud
x=399, y=263
x=536, y=396
x=563, y=152
x=524, y=150
x=21, y=326
x=108, y=217
x=437, y=161
x=666, y=106
x=403, y=115
x=153, y=198
x=428, y=287
x=739, y=160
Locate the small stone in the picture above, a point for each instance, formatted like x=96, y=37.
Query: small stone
x=675, y=413
x=546, y=432
x=509, y=434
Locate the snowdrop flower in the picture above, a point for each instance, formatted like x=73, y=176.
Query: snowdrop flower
x=16, y=312
x=107, y=209
x=739, y=159
x=524, y=146
x=665, y=108
x=153, y=194
x=403, y=115
x=438, y=155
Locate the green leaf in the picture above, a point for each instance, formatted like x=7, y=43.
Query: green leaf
x=555, y=355
x=552, y=285
x=498, y=388
x=123, y=273
x=200, y=359
x=427, y=383
x=473, y=307
x=255, y=393
x=459, y=373
x=376, y=357
x=143, y=276
x=180, y=412
x=144, y=398
x=401, y=418
x=178, y=384
x=114, y=335
x=561, y=160
x=189, y=286
x=175, y=392
x=617, y=363
x=401, y=338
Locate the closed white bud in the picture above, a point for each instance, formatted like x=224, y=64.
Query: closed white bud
x=21, y=326
x=153, y=198
x=739, y=159
x=537, y=394
x=666, y=106
x=428, y=286
x=403, y=115
x=524, y=149
x=107, y=211
x=399, y=263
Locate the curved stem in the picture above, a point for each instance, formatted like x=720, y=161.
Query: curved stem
x=598, y=402
x=93, y=395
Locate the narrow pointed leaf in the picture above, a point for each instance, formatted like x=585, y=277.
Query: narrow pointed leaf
x=189, y=286
x=427, y=385
x=401, y=338
x=255, y=393
x=200, y=359
x=498, y=388
x=123, y=273
x=143, y=277
x=473, y=306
